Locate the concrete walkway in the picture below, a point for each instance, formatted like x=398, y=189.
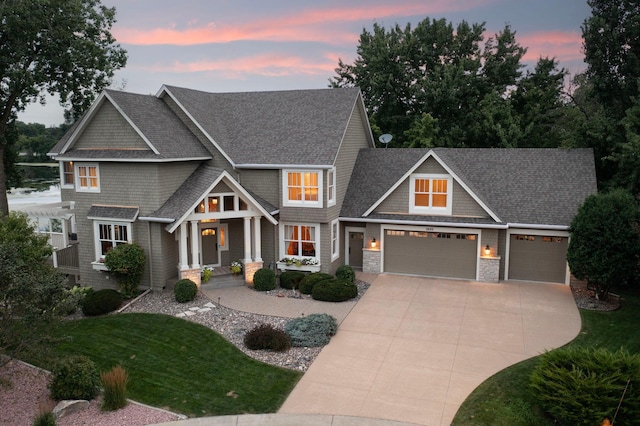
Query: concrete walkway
x=411, y=350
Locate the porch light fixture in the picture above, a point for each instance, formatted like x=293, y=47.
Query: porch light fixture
x=374, y=243
x=487, y=250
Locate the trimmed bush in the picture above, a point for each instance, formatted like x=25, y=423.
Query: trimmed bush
x=291, y=279
x=346, y=272
x=101, y=302
x=582, y=386
x=264, y=280
x=266, y=337
x=185, y=290
x=312, y=330
x=114, y=383
x=126, y=262
x=307, y=283
x=74, y=377
x=334, y=290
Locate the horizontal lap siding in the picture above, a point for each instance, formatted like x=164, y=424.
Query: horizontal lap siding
x=264, y=183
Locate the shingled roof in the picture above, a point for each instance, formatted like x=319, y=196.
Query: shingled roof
x=519, y=185
x=296, y=127
x=164, y=131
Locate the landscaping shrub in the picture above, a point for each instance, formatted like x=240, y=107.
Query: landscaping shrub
x=264, y=279
x=266, y=337
x=114, y=383
x=307, y=283
x=73, y=299
x=185, y=290
x=101, y=302
x=346, y=272
x=291, y=279
x=74, y=377
x=126, y=262
x=312, y=330
x=334, y=290
x=582, y=386
x=45, y=419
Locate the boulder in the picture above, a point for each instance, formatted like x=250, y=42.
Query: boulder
x=69, y=407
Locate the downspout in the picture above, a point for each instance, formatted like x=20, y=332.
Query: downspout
x=150, y=261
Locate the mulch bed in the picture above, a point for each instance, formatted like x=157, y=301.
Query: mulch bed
x=586, y=299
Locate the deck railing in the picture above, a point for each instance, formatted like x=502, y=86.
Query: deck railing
x=66, y=259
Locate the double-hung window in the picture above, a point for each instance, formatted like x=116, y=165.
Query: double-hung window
x=335, y=239
x=430, y=194
x=87, y=177
x=109, y=235
x=300, y=240
x=67, y=175
x=302, y=188
x=331, y=187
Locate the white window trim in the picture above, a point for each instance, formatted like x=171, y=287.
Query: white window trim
x=335, y=244
x=283, y=252
x=99, y=262
x=62, y=180
x=80, y=188
x=302, y=203
x=430, y=210
x=331, y=184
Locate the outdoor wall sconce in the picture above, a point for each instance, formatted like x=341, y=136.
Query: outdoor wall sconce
x=374, y=243
x=487, y=250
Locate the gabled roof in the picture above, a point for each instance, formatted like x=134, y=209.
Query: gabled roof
x=279, y=128
x=165, y=135
x=521, y=186
x=184, y=200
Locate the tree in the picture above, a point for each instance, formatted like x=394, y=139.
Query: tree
x=604, y=247
x=30, y=289
x=52, y=46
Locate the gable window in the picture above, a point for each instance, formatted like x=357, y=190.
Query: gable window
x=430, y=194
x=87, y=178
x=335, y=239
x=66, y=174
x=331, y=187
x=302, y=188
x=300, y=240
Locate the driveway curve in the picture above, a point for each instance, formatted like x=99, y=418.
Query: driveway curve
x=413, y=348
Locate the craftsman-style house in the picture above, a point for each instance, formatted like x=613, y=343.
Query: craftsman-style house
x=292, y=179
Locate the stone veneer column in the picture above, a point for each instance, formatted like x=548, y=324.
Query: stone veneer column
x=371, y=261
x=489, y=269
x=191, y=274
x=250, y=268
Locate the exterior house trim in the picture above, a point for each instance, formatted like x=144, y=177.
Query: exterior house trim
x=129, y=160
x=165, y=90
x=282, y=166
x=236, y=187
x=448, y=169
x=425, y=223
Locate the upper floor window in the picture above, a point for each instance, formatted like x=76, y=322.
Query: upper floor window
x=331, y=187
x=66, y=174
x=87, y=178
x=302, y=188
x=430, y=194
x=218, y=203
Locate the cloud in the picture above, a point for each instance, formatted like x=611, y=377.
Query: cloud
x=563, y=45
x=269, y=65
x=316, y=25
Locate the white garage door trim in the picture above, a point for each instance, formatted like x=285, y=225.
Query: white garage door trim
x=478, y=232
x=537, y=232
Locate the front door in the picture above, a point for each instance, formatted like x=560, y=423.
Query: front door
x=356, y=243
x=209, y=240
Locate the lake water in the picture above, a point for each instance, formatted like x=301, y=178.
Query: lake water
x=41, y=186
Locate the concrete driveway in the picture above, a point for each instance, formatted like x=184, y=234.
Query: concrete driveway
x=413, y=349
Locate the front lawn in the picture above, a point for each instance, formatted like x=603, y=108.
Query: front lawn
x=505, y=398
x=176, y=364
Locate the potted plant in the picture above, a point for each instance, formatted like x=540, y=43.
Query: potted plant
x=236, y=267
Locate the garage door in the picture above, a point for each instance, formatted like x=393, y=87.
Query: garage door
x=538, y=258
x=434, y=254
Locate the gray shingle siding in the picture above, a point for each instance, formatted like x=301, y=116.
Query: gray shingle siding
x=264, y=183
x=109, y=129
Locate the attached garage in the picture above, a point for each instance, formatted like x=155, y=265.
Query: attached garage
x=437, y=254
x=538, y=258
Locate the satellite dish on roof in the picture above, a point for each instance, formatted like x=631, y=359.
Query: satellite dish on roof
x=385, y=139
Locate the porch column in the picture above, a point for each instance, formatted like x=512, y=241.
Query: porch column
x=257, y=235
x=195, y=252
x=247, y=240
x=184, y=262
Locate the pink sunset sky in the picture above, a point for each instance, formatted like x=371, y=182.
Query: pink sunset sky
x=250, y=45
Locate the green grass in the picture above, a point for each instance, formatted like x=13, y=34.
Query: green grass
x=506, y=399
x=176, y=364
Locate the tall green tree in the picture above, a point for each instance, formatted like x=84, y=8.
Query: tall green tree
x=52, y=46
x=605, y=241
